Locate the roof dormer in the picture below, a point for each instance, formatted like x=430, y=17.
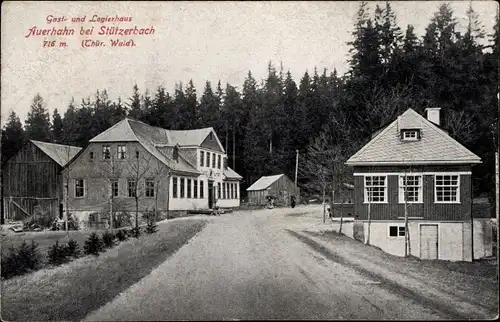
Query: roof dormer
x=410, y=134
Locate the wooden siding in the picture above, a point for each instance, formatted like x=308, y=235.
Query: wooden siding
x=31, y=173
x=211, y=144
x=428, y=209
x=282, y=189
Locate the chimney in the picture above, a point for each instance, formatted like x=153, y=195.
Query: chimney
x=433, y=115
x=175, y=153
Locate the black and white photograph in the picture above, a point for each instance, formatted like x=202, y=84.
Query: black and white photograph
x=249, y=160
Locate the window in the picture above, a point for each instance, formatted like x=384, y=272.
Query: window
x=106, y=152
x=91, y=155
x=410, y=135
x=150, y=188
x=235, y=191
x=413, y=185
x=225, y=163
x=213, y=160
x=396, y=231
x=188, y=188
x=202, y=157
x=202, y=190
x=375, y=189
x=195, y=188
x=219, y=161
x=131, y=186
x=223, y=190
x=114, y=188
x=174, y=187
x=208, y=159
x=211, y=136
x=137, y=154
x=182, y=188
x=446, y=188
x=218, y=191
x=122, y=151
x=79, y=188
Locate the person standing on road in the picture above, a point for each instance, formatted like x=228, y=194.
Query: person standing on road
x=293, y=202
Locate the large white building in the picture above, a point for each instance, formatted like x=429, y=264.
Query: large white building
x=132, y=158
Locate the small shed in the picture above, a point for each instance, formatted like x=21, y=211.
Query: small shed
x=278, y=186
x=32, y=179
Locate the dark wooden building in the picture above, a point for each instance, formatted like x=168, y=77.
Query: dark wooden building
x=32, y=179
x=278, y=186
x=414, y=167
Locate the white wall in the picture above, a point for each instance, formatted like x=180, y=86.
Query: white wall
x=454, y=239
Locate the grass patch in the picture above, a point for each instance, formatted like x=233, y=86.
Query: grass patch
x=44, y=239
x=71, y=291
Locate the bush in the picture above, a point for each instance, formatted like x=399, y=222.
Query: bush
x=151, y=226
x=10, y=265
x=121, y=220
x=93, y=245
x=72, y=249
x=121, y=235
x=135, y=232
x=23, y=260
x=108, y=239
x=57, y=254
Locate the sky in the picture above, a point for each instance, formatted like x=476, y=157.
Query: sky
x=199, y=40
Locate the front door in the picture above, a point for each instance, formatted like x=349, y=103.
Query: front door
x=428, y=241
x=210, y=194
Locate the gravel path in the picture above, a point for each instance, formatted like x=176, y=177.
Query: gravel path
x=250, y=265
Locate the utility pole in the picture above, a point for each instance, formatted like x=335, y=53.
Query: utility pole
x=296, y=166
x=497, y=201
x=234, y=149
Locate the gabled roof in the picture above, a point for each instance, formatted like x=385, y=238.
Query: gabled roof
x=150, y=137
x=231, y=174
x=61, y=154
x=264, y=182
x=434, y=147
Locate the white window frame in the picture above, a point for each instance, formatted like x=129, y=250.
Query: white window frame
x=457, y=201
x=121, y=152
x=365, y=189
x=410, y=135
x=113, y=182
x=202, y=158
x=399, y=231
x=146, y=188
x=128, y=188
x=106, y=152
x=419, y=188
x=83, y=187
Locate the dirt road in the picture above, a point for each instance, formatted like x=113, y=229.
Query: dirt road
x=261, y=265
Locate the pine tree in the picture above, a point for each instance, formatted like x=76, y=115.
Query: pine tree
x=134, y=106
x=13, y=137
x=208, y=108
x=189, y=110
x=38, y=126
x=57, y=127
x=70, y=125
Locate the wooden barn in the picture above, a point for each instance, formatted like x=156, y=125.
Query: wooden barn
x=278, y=186
x=32, y=180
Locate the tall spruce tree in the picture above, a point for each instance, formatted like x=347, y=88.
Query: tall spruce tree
x=38, y=126
x=13, y=137
x=57, y=127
